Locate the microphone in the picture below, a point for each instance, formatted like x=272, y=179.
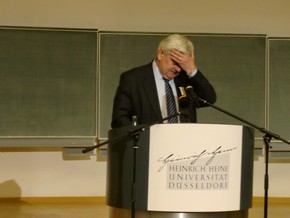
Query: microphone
x=134, y=120
x=184, y=105
x=192, y=96
x=182, y=97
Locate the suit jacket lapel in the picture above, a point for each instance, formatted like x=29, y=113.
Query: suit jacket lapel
x=150, y=90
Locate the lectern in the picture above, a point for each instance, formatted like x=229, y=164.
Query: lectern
x=182, y=170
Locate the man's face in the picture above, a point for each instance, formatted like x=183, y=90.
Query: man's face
x=167, y=67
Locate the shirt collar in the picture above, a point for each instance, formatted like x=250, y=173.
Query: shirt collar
x=156, y=71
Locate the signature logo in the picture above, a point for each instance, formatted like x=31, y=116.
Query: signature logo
x=171, y=158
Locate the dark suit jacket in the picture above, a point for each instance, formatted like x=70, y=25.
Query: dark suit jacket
x=137, y=95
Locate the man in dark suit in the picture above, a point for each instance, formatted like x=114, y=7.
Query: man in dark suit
x=141, y=91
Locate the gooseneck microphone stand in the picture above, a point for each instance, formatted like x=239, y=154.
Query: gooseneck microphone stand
x=267, y=138
x=135, y=135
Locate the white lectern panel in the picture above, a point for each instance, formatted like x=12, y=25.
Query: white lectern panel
x=195, y=167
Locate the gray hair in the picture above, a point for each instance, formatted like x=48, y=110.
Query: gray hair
x=178, y=42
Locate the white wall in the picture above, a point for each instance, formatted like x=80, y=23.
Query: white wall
x=210, y=16
x=44, y=172
x=34, y=173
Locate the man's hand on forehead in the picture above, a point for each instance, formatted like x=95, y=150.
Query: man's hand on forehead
x=185, y=61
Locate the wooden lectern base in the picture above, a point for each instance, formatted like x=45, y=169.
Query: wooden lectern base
x=126, y=213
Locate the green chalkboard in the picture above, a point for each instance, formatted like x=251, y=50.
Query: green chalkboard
x=235, y=65
x=279, y=86
x=47, y=82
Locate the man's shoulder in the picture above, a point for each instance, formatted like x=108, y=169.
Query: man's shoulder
x=136, y=71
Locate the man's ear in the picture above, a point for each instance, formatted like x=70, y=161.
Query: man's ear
x=160, y=53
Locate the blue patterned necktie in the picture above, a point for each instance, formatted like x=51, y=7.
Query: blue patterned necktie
x=170, y=102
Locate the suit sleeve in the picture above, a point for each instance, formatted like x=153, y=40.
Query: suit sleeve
x=203, y=88
x=122, y=108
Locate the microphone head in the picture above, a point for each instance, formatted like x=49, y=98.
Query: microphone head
x=192, y=95
x=189, y=88
x=182, y=97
